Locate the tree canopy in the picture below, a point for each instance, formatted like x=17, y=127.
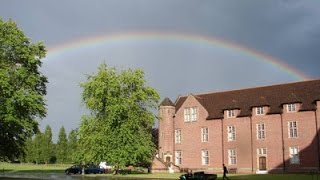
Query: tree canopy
x=119, y=128
x=22, y=89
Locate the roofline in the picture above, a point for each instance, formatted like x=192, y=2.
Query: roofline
x=241, y=89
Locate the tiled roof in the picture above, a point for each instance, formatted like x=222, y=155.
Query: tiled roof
x=166, y=102
x=305, y=92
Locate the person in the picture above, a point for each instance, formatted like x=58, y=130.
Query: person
x=225, y=172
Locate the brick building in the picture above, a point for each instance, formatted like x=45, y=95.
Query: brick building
x=256, y=130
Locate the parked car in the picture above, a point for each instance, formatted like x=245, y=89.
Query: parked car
x=198, y=176
x=93, y=169
x=75, y=169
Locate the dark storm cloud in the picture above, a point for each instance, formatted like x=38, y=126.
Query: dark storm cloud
x=288, y=30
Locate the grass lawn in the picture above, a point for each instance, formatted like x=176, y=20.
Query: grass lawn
x=50, y=168
x=57, y=168
x=231, y=177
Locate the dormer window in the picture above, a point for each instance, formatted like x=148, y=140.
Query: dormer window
x=291, y=107
x=259, y=111
x=231, y=113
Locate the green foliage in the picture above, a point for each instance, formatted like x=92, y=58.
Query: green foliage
x=40, y=149
x=47, y=147
x=22, y=89
x=119, y=128
x=62, y=146
x=72, y=146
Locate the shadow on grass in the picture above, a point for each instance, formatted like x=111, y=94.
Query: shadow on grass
x=272, y=177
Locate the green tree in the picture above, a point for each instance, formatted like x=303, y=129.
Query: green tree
x=22, y=89
x=30, y=151
x=37, y=154
x=62, y=146
x=119, y=127
x=72, y=146
x=47, y=147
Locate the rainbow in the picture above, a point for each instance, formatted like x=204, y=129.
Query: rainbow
x=124, y=37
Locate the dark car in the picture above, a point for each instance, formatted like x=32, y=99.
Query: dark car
x=198, y=176
x=75, y=169
x=93, y=169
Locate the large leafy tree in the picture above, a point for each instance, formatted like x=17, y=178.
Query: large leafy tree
x=62, y=146
x=119, y=127
x=22, y=89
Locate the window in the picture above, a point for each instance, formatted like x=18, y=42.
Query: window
x=230, y=113
x=232, y=156
x=177, y=136
x=204, y=134
x=259, y=110
x=261, y=131
x=190, y=114
x=193, y=113
x=261, y=151
x=291, y=107
x=187, y=114
x=178, y=155
x=294, y=155
x=293, y=129
x=205, y=157
x=231, y=133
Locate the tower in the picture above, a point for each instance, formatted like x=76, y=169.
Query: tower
x=166, y=130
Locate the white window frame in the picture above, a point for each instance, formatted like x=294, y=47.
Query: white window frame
x=291, y=107
x=190, y=114
x=261, y=131
x=260, y=110
x=205, y=134
x=294, y=155
x=232, y=156
x=292, y=129
x=262, y=151
x=205, y=157
x=178, y=157
x=194, y=113
x=231, y=113
x=231, y=133
x=177, y=135
x=186, y=114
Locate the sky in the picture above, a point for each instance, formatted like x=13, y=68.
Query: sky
x=184, y=46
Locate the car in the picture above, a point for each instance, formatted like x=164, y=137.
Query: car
x=93, y=169
x=198, y=176
x=75, y=169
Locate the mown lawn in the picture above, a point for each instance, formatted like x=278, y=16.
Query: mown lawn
x=57, y=168
x=231, y=177
x=50, y=168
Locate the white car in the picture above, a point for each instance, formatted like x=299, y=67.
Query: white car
x=104, y=165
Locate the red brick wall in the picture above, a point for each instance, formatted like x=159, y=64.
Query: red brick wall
x=166, y=130
x=276, y=141
x=191, y=145
x=272, y=141
x=242, y=144
x=306, y=140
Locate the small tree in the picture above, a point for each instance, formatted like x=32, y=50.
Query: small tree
x=47, y=145
x=38, y=148
x=62, y=146
x=72, y=146
x=119, y=127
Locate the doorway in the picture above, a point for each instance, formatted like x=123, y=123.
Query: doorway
x=262, y=163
